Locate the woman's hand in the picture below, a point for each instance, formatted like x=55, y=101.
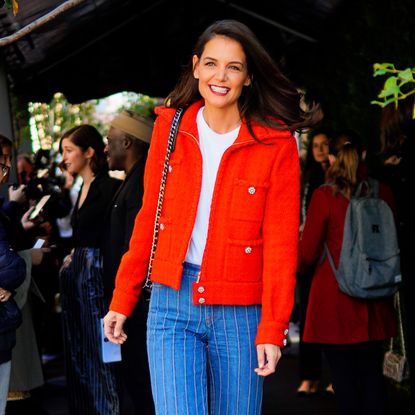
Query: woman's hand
x=67, y=260
x=30, y=223
x=268, y=357
x=113, y=327
x=393, y=160
x=4, y=295
x=17, y=195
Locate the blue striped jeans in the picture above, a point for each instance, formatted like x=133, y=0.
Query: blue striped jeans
x=202, y=357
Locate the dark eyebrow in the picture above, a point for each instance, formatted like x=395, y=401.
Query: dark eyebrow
x=229, y=63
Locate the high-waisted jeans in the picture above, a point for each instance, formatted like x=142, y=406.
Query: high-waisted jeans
x=202, y=357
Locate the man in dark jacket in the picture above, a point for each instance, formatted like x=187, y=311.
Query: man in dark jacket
x=12, y=274
x=128, y=144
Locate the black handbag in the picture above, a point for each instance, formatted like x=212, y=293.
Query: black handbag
x=171, y=144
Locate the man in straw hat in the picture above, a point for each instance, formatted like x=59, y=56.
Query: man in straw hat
x=128, y=143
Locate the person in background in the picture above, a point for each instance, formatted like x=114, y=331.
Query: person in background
x=350, y=330
x=25, y=169
x=12, y=274
x=315, y=166
x=91, y=383
x=224, y=269
x=313, y=176
x=397, y=129
x=128, y=144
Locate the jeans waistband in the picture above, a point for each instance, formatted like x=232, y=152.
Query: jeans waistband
x=191, y=271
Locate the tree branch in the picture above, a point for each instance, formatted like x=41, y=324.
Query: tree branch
x=39, y=22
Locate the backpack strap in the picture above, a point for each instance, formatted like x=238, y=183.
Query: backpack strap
x=358, y=190
x=327, y=252
x=373, y=187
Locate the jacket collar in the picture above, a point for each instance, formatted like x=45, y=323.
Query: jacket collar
x=188, y=125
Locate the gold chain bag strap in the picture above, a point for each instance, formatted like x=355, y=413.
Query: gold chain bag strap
x=395, y=365
x=171, y=143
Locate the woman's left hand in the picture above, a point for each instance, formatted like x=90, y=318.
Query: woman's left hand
x=268, y=357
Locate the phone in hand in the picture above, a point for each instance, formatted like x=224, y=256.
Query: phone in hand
x=39, y=206
x=111, y=352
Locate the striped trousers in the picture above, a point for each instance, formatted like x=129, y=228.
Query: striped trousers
x=202, y=357
x=91, y=383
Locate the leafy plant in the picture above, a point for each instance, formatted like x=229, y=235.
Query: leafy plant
x=49, y=121
x=141, y=104
x=399, y=84
x=11, y=4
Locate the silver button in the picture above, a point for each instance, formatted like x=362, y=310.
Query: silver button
x=201, y=289
x=251, y=190
x=170, y=168
x=162, y=226
x=201, y=300
x=286, y=331
x=284, y=342
x=248, y=250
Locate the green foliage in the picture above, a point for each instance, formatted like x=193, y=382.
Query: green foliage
x=49, y=121
x=6, y=4
x=399, y=84
x=10, y=4
x=337, y=70
x=139, y=103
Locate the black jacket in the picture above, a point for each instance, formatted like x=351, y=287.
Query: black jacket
x=88, y=221
x=124, y=207
x=12, y=274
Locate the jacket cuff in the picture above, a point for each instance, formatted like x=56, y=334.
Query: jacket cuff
x=123, y=302
x=272, y=333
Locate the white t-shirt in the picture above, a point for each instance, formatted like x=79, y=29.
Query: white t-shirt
x=212, y=146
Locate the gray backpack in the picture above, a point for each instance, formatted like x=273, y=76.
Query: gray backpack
x=369, y=265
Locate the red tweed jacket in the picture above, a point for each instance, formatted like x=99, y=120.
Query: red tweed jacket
x=251, y=248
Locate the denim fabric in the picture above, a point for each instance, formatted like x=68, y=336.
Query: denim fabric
x=4, y=384
x=195, y=347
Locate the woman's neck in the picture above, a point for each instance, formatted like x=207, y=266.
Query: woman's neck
x=221, y=120
x=87, y=175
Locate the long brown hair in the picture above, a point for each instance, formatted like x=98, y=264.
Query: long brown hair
x=271, y=99
x=342, y=174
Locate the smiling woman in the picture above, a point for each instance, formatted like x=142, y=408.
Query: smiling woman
x=222, y=73
x=224, y=267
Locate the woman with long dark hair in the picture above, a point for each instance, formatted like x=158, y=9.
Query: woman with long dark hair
x=224, y=269
x=90, y=382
